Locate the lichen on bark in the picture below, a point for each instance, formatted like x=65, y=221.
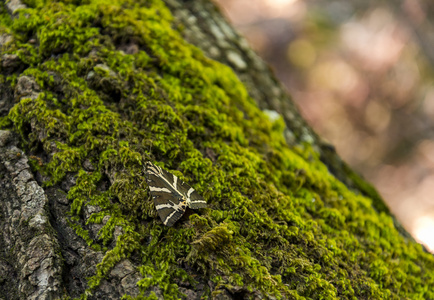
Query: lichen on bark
x=103, y=86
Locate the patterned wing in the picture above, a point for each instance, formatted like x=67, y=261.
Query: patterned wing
x=194, y=200
x=168, y=201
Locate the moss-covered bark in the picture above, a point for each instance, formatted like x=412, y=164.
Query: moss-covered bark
x=93, y=89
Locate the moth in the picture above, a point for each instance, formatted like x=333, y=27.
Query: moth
x=171, y=195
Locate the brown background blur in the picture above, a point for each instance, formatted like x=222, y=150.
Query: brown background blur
x=361, y=73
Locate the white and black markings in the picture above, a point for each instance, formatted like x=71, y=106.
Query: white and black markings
x=171, y=195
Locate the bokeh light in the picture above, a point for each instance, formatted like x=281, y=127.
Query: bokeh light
x=363, y=81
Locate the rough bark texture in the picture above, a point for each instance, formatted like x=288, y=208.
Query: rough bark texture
x=90, y=91
x=31, y=264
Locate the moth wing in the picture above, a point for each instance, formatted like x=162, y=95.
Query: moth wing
x=169, y=216
x=194, y=200
x=167, y=199
x=197, y=201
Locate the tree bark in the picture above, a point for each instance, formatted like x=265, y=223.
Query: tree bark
x=91, y=91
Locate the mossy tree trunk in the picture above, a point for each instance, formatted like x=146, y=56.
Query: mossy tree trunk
x=91, y=90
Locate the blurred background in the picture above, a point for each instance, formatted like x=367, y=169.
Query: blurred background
x=361, y=73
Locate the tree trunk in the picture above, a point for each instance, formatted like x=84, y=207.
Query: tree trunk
x=92, y=91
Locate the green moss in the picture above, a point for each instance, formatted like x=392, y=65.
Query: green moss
x=278, y=223
x=5, y=20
